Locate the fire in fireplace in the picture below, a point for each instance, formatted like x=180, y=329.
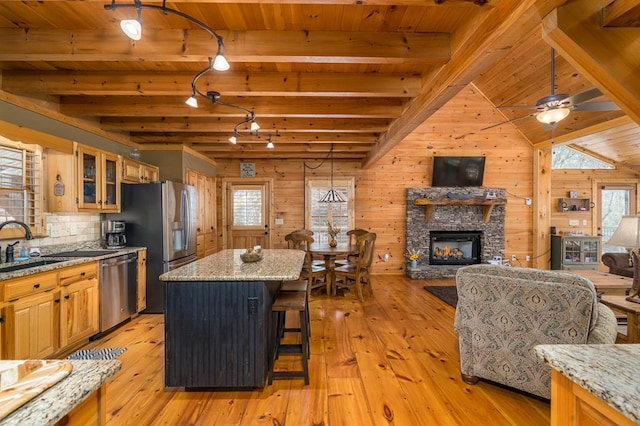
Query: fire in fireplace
x=454, y=247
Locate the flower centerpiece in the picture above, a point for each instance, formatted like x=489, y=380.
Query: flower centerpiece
x=413, y=256
x=333, y=231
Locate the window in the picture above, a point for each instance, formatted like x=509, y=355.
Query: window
x=564, y=157
x=318, y=214
x=247, y=207
x=20, y=188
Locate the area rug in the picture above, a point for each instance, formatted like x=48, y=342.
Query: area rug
x=446, y=293
x=97, y=354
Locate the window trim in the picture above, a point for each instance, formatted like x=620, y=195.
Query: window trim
x=38, y=225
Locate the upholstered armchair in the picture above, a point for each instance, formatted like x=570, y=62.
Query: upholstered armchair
x=618, y=263
x=504, y=312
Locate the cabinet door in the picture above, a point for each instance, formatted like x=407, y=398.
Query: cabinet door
x=31, y=326
x=3, y=317
x=131, y=171
x=142, y=281
x=202, y=199
x=590, y=251
x=89, y=170
x=110, y=181
x=78, y=312
x=209, y=204
x=150, y=173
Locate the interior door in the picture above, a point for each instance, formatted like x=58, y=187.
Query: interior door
x=247, y=214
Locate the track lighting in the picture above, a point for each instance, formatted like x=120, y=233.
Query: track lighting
x=133, y=27
x=220, y=63
x=192, y=101
x=254, y=126
x=233, y=139
x=270, y=144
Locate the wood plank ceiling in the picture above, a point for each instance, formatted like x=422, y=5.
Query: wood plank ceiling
x=356, y=75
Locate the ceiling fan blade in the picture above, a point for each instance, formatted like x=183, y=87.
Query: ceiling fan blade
x=597, y=106
x=581, y=97
x=533, y=114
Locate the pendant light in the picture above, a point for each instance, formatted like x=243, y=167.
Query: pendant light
x=332, y=196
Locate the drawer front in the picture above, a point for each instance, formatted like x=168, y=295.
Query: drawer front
x=31, y=284
x=72, y=274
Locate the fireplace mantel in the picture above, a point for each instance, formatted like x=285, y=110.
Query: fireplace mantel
x=487, y=204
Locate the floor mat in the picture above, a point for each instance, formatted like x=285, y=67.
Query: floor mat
x=97, y=354
x=447, y=293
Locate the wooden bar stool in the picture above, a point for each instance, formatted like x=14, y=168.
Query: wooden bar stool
x=301, y=286
x=289, y=301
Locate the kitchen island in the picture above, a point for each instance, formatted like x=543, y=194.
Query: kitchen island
x=78, y=397
x=593, y=384
x=218, y=328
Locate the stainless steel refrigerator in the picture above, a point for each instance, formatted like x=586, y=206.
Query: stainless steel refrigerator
x=160, y=216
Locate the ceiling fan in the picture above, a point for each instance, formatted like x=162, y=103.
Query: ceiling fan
x=549, y=110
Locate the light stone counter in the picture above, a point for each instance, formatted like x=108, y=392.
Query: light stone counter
x=54, y=403
x=610, y=372
x=226, y=265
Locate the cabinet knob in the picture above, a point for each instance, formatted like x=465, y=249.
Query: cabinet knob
x=36, y=285
x=67, y=297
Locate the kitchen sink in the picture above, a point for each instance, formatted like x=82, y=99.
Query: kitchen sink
x=27, y=265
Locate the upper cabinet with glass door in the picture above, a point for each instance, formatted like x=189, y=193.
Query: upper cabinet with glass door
x=98, y=180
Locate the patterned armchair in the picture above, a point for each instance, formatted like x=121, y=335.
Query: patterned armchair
x=504, y=312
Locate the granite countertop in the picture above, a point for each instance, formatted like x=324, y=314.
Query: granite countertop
x=55, y=402
x=609, y=372
x=226, y=265
x=64, y=261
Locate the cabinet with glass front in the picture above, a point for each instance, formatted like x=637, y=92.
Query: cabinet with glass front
x=575, y=252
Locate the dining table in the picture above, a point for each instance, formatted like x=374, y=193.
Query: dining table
x=330, y=255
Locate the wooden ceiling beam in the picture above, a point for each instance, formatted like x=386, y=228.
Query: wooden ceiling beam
x=468, y=3
x=478, y=45
x=293, y=138
x=172, y=106
x=227, y=83
x=187, y=124
x=189, y=45
x=621, y=13
x=575, y=30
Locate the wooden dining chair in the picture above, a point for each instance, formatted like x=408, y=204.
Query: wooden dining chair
x=358, y=273
x=314, y=273
x=353, y=237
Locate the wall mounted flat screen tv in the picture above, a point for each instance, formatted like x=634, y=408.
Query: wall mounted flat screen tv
x=458, y=171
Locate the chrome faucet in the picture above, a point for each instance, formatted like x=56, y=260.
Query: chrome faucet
x=27, y=231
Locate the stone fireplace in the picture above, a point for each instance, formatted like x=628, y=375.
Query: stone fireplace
x=453, y=227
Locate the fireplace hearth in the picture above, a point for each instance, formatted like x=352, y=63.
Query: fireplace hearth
x=454, y=247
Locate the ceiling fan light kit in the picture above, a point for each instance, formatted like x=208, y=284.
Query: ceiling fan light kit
x=133, y=29
x=551, y=116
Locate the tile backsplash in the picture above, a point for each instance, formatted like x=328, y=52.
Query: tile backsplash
x=69, y=228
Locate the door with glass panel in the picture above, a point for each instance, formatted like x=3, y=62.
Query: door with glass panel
x=247, y=215
x=615, y=200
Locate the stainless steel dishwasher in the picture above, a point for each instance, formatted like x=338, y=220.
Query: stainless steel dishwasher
x=118, y=276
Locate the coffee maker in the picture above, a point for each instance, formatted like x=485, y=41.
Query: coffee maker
x=113, y=234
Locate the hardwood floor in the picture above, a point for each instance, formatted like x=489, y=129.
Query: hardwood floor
x=390, y=361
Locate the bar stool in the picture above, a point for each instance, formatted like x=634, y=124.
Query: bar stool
x=289, y=301
x=301, y=286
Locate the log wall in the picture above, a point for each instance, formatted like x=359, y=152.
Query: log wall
x=381, y=190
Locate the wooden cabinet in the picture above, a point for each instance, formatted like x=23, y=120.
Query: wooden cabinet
x=79, y=300
x=87, y=181
x=30, y=327
x=141, y=304
x=134, y=171
x=206, y=237
x=98, y=179
x=575, y=252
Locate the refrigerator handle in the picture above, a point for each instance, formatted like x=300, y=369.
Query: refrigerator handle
x=184, y=217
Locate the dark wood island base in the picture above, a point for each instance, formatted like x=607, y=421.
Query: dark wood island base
x=218, y=328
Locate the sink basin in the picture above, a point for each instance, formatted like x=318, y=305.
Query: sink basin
x=27, y=265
